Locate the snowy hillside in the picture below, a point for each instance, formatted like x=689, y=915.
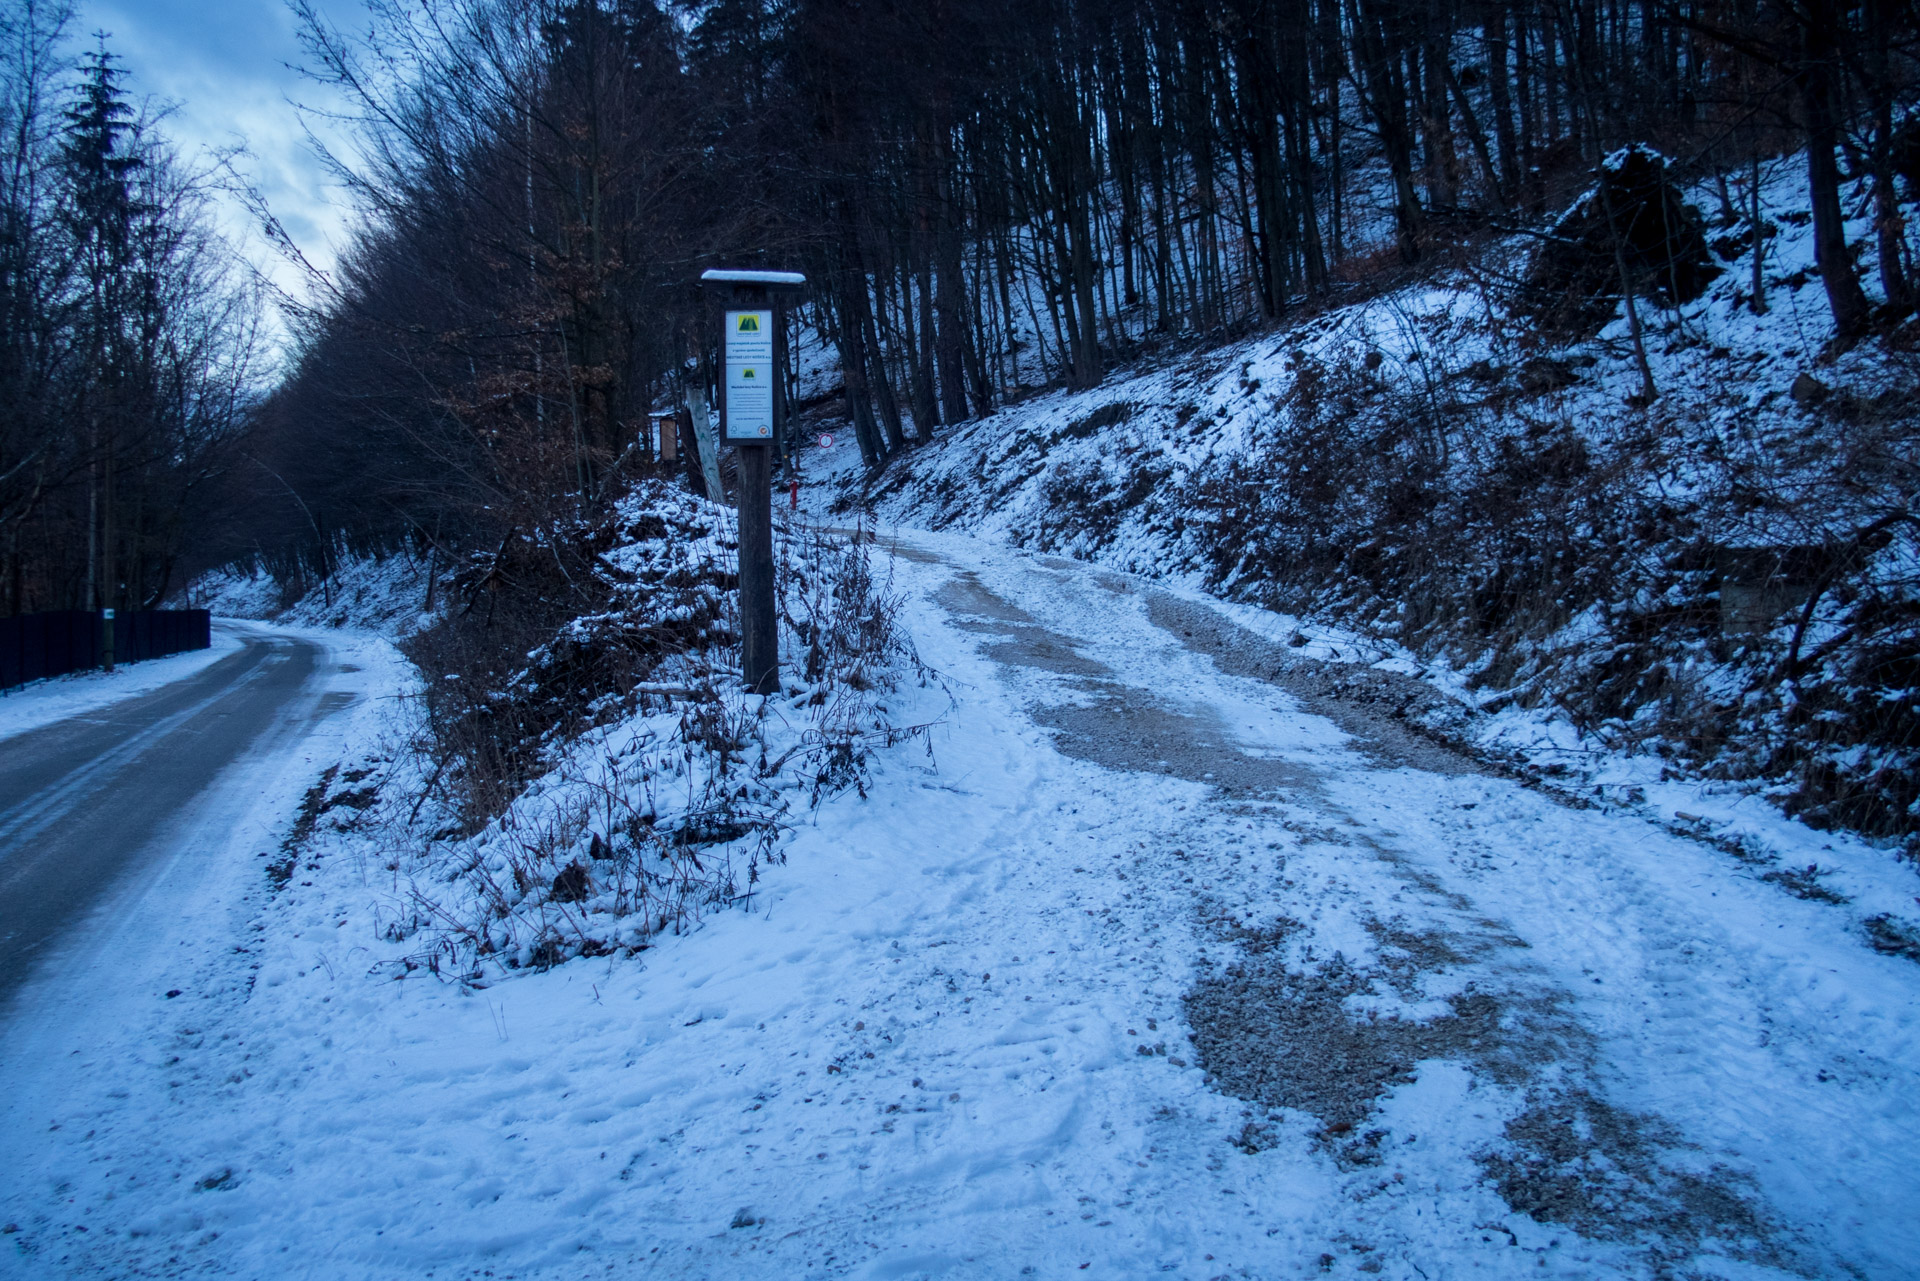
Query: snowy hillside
x=387, y=595
x=1422, y=478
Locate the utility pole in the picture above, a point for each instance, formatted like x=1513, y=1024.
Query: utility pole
x=753, y=420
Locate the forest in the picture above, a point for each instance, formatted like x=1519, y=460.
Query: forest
x=132, y=360
x=540, y=183
x=988, y=197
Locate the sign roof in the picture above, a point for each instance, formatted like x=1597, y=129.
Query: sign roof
x=727, y=276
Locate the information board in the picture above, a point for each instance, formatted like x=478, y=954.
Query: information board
x=750, y=376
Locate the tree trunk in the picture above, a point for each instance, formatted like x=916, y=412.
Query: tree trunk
x=1889, y=224
x=882, y=384
x=916, y=348
x=1499, y=98
x=1086, y=347
x=1845, y=298
x=1377, y=49
x=949, y=298
x=853, y=366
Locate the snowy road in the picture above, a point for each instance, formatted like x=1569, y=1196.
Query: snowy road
x=1441, y=984
x=131, y=850
x=1150, y=967
x=88, y=802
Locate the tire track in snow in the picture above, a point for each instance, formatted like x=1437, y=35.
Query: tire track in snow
x=1702, y=1189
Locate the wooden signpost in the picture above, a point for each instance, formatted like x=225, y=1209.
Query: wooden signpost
x=753, y=420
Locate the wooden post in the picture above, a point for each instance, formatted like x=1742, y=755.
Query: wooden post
x=691, y=454
x=753, y=420
x=759, y=635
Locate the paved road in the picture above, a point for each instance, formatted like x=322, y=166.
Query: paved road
x=82, y=801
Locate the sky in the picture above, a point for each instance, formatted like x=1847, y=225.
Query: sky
x=223, y=66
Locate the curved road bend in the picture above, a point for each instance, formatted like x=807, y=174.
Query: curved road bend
x=82, y=800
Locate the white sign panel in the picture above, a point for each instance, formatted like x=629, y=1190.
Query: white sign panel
x=750, y=375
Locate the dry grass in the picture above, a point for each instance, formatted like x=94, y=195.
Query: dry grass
x=620, y=784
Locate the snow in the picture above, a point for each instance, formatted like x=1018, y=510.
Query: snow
x=379, y=595
x=45, y=702
x=950, y=1035
x=383, y=594
x=1131, y=965
x=1428, y=334
x=1132, y=496
x=721, y=276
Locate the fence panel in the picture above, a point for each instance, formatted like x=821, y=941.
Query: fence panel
x=33, y=646
x=139, y=624
x=12, y=645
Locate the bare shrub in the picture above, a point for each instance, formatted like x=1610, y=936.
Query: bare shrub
x=556, y=628
x=620, y=783
x=1581, y=565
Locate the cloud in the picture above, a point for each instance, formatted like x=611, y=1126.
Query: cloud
x=226, y=67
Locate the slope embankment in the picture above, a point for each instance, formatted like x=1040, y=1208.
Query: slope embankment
x=1723, y=581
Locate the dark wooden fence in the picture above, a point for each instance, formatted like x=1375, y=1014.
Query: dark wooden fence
x=69, y=640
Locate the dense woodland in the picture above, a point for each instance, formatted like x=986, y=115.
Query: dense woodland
x=985, y=196
x=130, y=353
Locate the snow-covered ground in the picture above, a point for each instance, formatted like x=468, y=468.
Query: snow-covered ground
x=1147, y=960
x=100, y=1007
x=382, y=594
x=42, y=702
x=1179, y=469
x=1135, y=967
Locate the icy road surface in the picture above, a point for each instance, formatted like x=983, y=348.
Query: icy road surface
x=1148, y=969
x=95, y=801
x=128, y=834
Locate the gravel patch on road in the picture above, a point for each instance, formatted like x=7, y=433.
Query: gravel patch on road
x=1397, y=719
x=1289, y=1028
